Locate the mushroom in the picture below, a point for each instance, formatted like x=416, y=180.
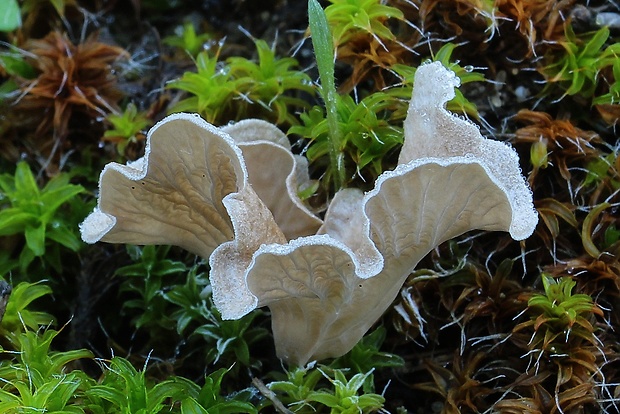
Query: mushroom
x=229, y=194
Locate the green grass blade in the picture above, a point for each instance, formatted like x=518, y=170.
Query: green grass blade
x=323, y=44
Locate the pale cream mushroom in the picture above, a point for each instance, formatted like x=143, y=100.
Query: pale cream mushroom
x=229, y=194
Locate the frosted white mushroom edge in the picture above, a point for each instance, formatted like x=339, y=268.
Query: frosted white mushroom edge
x=229, y=194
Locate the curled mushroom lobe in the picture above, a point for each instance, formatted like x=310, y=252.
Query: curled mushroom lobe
x=230, y=195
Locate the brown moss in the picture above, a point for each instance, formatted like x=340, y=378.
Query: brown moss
x=73, y=81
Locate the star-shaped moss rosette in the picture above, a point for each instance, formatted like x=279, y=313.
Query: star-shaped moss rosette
x=229, y=194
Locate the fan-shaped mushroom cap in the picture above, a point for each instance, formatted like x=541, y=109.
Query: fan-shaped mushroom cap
x=451, y=180
x=233, y=200
x=173, y=195
x=192, y=189
x=268, y=158
x=433, y=132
